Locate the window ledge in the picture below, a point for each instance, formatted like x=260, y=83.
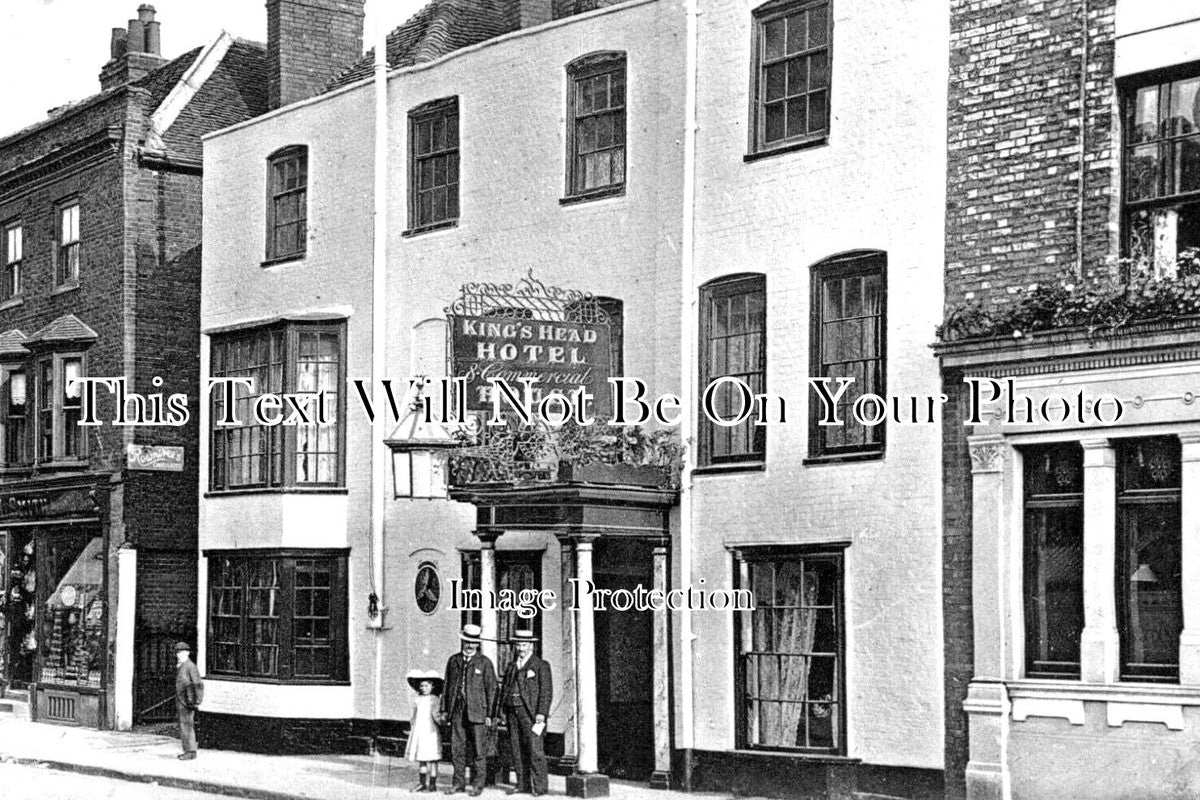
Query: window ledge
x=61, y=466
x=595, y=194
x=16, y=470
x=277, y=490
x=70, y=286
x=1148, y=693
x=789, y=147
x=274, y=681
x=843, y=458
x=12, y=302
x=819, y=758
x=445, y=224
x=279, y=260
x=724, y=469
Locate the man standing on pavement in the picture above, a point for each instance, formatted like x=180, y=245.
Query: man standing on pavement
x=189, y=693
x=467, y=698
x=527, y=692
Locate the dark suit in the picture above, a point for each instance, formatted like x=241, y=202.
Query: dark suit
x=467, y=701
x=526, y=695
x=189, y=693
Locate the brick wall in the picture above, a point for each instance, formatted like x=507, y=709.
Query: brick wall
x=1013, y=184
x=308, y=44
x=166, y=591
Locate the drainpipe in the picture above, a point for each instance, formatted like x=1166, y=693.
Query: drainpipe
x=1084, y=58
x=379, y=451
x=689, y=327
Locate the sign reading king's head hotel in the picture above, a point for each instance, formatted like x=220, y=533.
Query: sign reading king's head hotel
x=561, y=357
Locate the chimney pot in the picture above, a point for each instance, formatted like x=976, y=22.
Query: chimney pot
x=153, y=38
x=146, y=12
x=117, y=46
x=137, y=36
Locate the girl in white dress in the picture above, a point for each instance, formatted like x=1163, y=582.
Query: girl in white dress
x=424, y=740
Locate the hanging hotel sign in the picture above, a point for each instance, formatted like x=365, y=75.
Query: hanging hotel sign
x=557, y=340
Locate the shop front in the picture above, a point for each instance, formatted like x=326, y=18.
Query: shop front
x=54, y=634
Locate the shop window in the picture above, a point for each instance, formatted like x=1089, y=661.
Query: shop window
x=16, y=416
x=791, y=650
x=1053, y=560
x=733, y=322
x=433, y=177
x=1162, y=173
x=67, y=255
x=791, y=74
x=596, y=125
x=59, y=408
x=287, y=203
x=71, y=635
x=1149, y=558
x=848, y=340
x=516, y=570
x=14, y=255
x=278, y=615
x=306, y=360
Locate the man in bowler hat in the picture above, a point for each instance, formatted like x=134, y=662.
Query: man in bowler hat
x=527, y=692
x=467, y=701
x=189, y=693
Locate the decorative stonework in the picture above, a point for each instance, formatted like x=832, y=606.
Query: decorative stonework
x=987, y=454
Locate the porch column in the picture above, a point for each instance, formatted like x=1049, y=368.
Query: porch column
x=1189, y=640
x=987, y=704
x=587, y=780
x=124, y=656
x=661, y=779
x=489, y=617
x=1098, y=651
x=565, y=687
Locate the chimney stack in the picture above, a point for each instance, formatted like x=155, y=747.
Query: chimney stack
x=135, y=50
x=309, y=43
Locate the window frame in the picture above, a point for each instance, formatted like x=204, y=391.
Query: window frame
x=768, y=12
x=10, y=284
x=470, y=570
x=9, y=458
x=846, y=265
x=63, y=248
x=608, y=62
x=444, y=109
x=744, y=283
x=297, y=153
x=55, y=439
x=281, y=440
x=742, y=559
x=339, y=628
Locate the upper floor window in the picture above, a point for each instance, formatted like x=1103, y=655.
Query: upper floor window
x=733, y=322
x=287, y=203
x=596, y=125
x=849, y=322
x=307, y=360
x=67, y=261
x=14, y=254
x=433, y=177
x=791, y=73
x=1162, y=172
x=16, y=417
x=59, y=406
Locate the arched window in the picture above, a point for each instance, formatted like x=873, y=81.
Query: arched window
x=849, y=340
x=287, y=203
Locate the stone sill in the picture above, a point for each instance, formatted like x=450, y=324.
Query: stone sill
x=1167, y=694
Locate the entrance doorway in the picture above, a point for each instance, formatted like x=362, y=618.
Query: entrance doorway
x=18, y=640
x=625, y=662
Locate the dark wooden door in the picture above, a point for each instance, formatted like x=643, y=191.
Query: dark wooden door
x=625, y=663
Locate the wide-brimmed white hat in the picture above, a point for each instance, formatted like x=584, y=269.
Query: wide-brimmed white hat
x=416, y=677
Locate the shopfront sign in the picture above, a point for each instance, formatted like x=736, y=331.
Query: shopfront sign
x=155, y=458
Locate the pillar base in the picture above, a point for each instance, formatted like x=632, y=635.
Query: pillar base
x=661, y=779
x=1189, y=657
x=587, y=784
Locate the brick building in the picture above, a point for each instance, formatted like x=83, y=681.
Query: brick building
x=1071, y=664
x=100, y=225
x=703, y=222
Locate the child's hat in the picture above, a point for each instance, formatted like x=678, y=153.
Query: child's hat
x=416, y=677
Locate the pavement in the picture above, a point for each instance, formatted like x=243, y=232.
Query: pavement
x=152, y=759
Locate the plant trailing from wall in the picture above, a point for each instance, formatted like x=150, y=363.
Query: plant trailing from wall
x=1104, y=301
x=538, y=454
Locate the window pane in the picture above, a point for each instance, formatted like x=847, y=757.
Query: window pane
x=818, y=26
x=1143, y=125
x=796, y=33
x=773, y=39
x=1149, y=577
x=1184, y=112
x=1141, y=172
x=1053, y=591
x=775, y=113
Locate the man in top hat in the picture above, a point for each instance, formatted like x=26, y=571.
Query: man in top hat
x=526, y=694
x=189, y=693
x=467, y=700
